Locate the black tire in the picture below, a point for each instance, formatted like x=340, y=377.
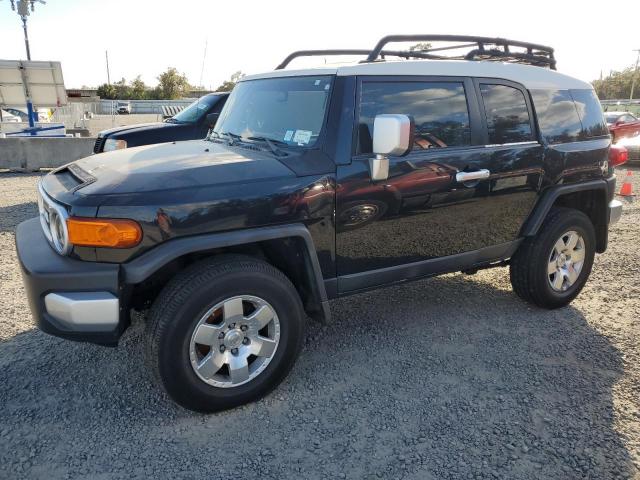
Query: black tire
x=181, y=304
x=528, y=268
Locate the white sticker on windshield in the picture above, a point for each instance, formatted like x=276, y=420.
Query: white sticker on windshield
x=317, y=82
x=288, y=135
x=302, y=137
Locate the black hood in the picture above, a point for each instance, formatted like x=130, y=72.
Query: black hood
x=160, y=168
x=168, y=166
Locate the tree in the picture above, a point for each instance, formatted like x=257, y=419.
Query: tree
x=123, y=91
x=172, y=85
x=617, y=85
x=106, y=91
x=138, y=89
x=228, y=85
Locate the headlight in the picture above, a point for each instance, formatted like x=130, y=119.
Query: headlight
x=59, y=234
x=113, y=144
x=53, y=218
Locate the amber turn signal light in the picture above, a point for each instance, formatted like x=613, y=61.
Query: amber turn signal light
x=103, y=232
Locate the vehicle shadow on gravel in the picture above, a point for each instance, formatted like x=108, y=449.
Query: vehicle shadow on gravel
x=445, y=378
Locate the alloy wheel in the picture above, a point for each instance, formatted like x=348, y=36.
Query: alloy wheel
x=566, y=261
x=234, y=341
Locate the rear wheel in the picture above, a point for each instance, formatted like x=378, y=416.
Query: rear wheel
x=224, y=333
x=551, y=268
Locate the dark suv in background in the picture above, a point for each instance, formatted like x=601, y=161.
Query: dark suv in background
x=192, y=123
x=317, y=184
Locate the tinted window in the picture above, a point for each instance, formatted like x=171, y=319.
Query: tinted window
x=439, y=110
x=557, y=115
x=590, y=112
x=196, y=110
x=507, y=114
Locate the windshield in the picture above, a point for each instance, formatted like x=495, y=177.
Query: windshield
x=288, y=110
x=196, y=110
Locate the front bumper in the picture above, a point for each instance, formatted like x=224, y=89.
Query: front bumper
x=615, y=211
x=77, y=300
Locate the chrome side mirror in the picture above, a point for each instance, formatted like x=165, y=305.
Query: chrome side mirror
x=392, y=136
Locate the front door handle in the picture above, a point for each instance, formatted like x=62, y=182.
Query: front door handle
x=462, y=177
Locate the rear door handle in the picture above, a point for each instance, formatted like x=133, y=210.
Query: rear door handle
x=462, y=177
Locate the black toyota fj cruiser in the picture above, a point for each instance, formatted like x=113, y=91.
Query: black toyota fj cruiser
x=316, y=184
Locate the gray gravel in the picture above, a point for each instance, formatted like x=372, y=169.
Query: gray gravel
x=452, y=377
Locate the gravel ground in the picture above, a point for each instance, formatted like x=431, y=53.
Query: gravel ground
x=451, y=377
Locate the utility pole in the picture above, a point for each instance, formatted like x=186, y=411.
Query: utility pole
x=635, y=74
x=106, y=54
x=24, y=9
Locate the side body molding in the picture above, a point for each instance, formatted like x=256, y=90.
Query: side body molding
x=142, y=267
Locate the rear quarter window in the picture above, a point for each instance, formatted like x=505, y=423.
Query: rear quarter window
x=506, y=113
x=590, y=112
x=557, y=115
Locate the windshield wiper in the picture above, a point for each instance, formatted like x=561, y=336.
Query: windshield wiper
x=231, y=138
x=271, y=143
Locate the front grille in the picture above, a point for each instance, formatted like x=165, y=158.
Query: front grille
x=99, y=145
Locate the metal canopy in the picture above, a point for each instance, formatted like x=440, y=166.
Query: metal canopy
x=41, y=81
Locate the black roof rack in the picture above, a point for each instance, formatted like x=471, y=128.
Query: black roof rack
x=477, y=48
x=382, y=54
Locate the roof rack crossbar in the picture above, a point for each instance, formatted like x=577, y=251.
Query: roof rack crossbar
x=528, y=58
x=544, y=56
x=383, y=53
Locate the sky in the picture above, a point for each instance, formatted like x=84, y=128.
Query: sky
x=145, y=37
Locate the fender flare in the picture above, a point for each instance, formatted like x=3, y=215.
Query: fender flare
x=550, y=195
x=141, y=268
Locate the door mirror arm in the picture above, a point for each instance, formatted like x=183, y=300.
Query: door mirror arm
x=379, y=167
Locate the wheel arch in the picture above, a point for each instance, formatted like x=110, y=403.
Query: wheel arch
x=590, y=197
x=289, y=248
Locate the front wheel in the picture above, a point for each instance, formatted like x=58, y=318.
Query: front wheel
x=224, y=332
x=550, y=269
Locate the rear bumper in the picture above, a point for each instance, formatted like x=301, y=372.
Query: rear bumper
x=69, y=298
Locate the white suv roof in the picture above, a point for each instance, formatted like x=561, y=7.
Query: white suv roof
x=531, y=77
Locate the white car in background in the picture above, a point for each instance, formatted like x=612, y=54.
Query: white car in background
x=8, y=117
x=124, y=108
x=43, y=115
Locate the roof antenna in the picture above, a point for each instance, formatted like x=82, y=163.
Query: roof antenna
x=204, y=59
